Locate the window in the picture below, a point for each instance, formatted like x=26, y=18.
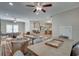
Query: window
x=11, y=28
x=8, y=28
x=15, y=28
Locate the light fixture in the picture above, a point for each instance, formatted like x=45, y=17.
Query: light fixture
x=38, y=8
x=10, y=3
x=37, y=12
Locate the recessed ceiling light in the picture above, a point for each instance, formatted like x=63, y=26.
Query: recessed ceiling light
x=10, y=3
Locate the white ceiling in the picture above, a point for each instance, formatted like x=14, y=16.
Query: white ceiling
x=19, y=10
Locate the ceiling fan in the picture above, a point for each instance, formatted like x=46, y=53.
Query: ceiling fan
x=39, y=7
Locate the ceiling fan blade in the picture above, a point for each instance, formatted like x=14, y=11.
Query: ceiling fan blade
x=30, y=5
x=47, y=5
x=43, y=10
x=34, y=10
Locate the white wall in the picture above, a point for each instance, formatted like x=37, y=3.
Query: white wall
x=27, y=26
x=67, y=18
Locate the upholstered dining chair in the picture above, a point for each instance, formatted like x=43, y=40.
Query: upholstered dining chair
x=19, y=45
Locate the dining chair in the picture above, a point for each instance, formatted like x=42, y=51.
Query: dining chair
x=19, y=45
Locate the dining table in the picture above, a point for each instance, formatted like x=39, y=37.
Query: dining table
x=41, y=49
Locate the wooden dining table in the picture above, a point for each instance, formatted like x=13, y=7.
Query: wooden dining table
x=41, y=49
